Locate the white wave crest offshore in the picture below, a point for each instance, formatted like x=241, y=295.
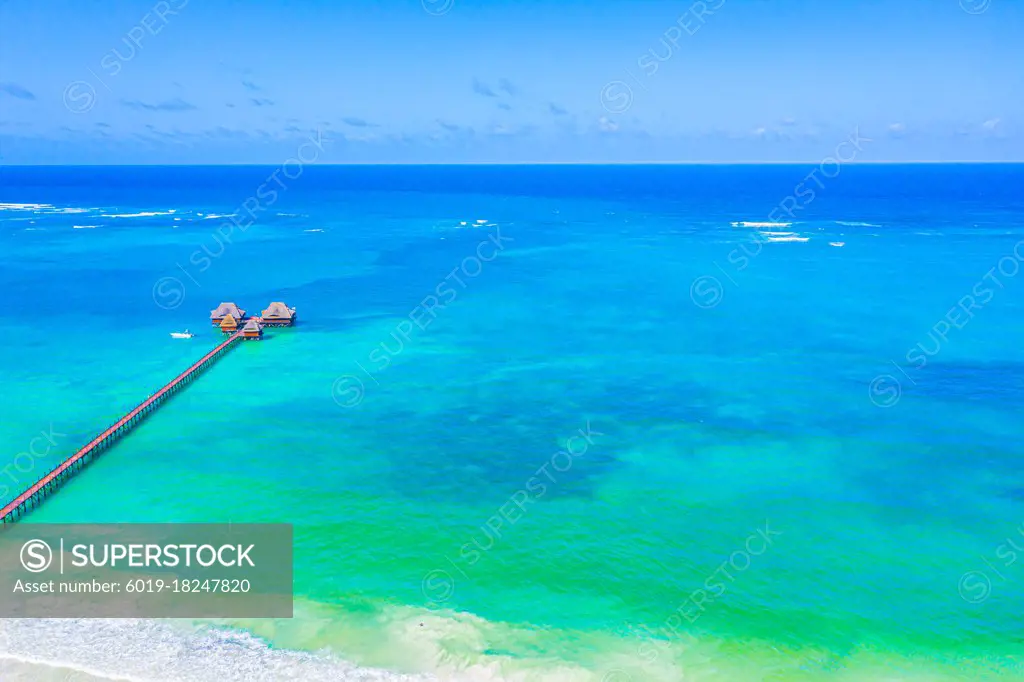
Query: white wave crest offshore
x=44, y=209
x=479, y=222
x=24, y=207
x=745, y=223
x=141, y=214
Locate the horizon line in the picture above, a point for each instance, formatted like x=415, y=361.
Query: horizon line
x=514, y=163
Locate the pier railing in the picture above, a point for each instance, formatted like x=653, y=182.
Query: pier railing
x=49, y=483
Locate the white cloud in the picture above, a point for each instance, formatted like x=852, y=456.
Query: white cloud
x=607, y=125
x=991, y=125
x=897, y=128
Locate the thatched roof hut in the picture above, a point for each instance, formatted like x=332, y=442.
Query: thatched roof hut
x=278, y=313
x=252, y=329
x=226, y=310
x=229, y=324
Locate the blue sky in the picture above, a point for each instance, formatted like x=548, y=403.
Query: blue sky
x=247, y=81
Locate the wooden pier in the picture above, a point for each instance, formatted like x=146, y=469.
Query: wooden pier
x=49, y=483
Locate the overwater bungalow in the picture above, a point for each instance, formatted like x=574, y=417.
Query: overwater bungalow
x=252, y=330
x=229, y=325
x=224, y=310
x=278, y=314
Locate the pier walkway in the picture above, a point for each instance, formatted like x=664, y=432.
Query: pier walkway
x=49, y=483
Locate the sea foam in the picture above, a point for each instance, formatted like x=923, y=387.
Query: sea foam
x=147, y=650
x=24, y=207
x=745, y=223
x=141, y=214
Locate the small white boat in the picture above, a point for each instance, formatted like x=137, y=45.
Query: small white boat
x=182, y=335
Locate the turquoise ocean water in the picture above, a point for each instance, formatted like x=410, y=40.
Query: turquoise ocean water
x=541, y=423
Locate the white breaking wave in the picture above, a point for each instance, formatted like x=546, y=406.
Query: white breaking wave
x=852, y=224
x=792, y=238
x=475, y=223
x=151, y=651
x=44, y=208
x=211, y=216
x=455, y=645
x=746, y=223
x=85, y=227
x=142, y=214
x=24, y=207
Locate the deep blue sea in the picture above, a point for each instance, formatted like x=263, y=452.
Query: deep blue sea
x=580, y=423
